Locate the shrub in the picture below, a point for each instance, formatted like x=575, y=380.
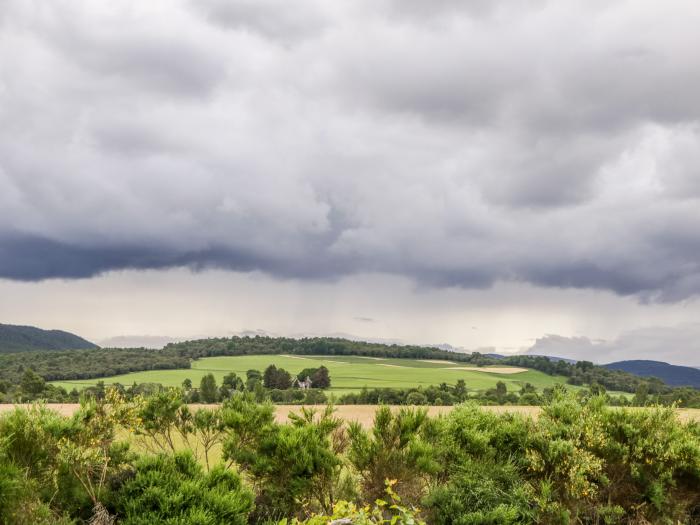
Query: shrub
x=416, y=398
x=19, y=500
x=381, y=513
x=31, y=439
x=174, y=489
x=482, y=492
x=396, y=448
x=617, y=465
x=292, y=466
x=471, y=433
x=31, y=472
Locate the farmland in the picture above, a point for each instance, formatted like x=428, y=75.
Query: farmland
x=348, y=373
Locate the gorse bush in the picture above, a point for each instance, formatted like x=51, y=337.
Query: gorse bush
x=294, y=466
x=173, y=489
x=383, y=512
x=483, y=462
x=480, y=492
x=578, y=463
x=395, y=448
x=19, y=502
x=157, y=461
x=633, y=464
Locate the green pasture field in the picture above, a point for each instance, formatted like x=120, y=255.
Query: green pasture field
x=348, y=373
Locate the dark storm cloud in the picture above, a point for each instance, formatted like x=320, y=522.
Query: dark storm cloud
x=555, y=143
x=31, y=258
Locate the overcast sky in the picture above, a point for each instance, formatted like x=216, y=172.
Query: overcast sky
x=481, y=173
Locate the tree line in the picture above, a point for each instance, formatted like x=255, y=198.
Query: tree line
x=89, y=364
x=275, y=384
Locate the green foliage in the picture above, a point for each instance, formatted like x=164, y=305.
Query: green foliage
x=19, y=500
x=601, y=460
x=91, y=454
x=174, y=489
x=232, y=383
x=161, y=419
x=30, y=440
x=292, y=466
x=278, y=378
x=208, y=390
x=320, y=377
x=481, y=492
x=469, y=433
x=207, y=431
x=416, y=398
x=32, y=384
x=382, y=513
x=580, y=463
x=163, y=422
x=82, y=364
x=396, y=448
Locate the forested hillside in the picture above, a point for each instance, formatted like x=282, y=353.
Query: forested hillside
x=673, y=375
x=84, y=364
x=15, y=338
x=580, y=373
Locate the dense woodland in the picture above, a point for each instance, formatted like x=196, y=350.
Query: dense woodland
x=151, y=461
x=86, y=364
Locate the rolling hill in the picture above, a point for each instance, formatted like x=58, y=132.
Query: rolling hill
x=348, y=373
x=15, y=338
x=673, y=375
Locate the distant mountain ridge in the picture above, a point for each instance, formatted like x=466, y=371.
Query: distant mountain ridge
x=15, y=338
x=673, y=375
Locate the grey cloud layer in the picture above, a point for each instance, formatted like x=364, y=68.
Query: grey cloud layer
x=675, y=344
x=556, y=143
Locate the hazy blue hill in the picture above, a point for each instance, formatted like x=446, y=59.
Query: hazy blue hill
x=27, y=338
x=673, y=375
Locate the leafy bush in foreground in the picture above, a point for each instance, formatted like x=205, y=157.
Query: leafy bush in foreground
x=294, y=466
x=482, y=492
x=381, y=513
x=608, y=465
x=580, y=463
x=174, y=489
x=396, y=448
